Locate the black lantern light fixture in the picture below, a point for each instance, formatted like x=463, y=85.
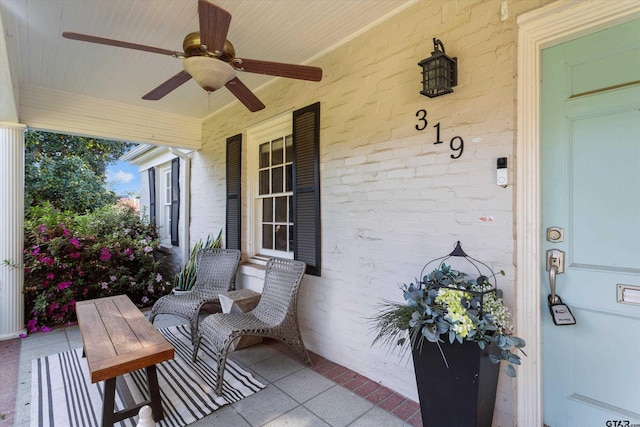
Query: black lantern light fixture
x=439, y=72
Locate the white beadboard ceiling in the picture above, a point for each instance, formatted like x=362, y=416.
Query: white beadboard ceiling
x=291, y=31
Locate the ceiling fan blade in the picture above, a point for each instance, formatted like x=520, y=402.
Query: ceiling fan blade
x=279, y=69
x=118, y=43
x=214, y=25
x=245, y=95
x=168, y=86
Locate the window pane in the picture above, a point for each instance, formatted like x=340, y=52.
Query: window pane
x=277, y=179
x=281, y=209
x=288, y=149
x=267, y=236
x=281, y=237
x=264, y=155
x=167, y=187
x=264, y=182
x=267, y=210
x=289, y=178
x=277, y=152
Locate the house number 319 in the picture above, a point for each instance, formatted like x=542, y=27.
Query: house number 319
x=456, y=143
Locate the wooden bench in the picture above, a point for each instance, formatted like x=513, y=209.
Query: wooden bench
x=118, y=339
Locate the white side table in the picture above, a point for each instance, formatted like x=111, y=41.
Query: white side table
x=240, y=301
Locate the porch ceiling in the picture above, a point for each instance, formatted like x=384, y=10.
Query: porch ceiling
x=44, y=65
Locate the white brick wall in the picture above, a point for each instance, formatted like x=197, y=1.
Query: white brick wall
x=208, y=191
x=391, y=199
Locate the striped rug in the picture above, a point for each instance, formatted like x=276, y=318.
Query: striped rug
x=62, y=394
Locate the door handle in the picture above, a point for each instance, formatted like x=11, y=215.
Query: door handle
x=553, y=270
x=560, y=312
x=555, y=266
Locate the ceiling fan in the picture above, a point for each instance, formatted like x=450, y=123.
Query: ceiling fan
x=210, y=59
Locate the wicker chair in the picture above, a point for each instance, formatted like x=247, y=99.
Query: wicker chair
x=275, y=316
x=216, y=273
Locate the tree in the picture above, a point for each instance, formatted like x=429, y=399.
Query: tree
x=69, y=171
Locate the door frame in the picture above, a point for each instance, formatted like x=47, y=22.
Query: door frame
x=547, y=26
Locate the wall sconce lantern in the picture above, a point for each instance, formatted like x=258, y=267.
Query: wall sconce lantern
x=439, y=72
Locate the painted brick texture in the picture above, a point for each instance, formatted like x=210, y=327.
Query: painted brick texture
x=392, y=199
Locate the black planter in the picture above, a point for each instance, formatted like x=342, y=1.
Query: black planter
x=462, y=395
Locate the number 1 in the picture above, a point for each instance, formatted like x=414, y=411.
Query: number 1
x=437, y=126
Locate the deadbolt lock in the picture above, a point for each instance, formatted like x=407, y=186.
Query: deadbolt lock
x=555, y=234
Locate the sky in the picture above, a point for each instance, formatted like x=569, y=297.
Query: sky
x=123, y=178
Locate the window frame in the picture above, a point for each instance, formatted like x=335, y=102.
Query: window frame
x=280, y=126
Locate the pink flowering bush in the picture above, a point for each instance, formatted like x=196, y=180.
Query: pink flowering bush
x=70, y=257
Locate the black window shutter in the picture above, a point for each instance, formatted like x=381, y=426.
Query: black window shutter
x=306, y=189
x=175, y=200
x=234, y=216
x=152, y=196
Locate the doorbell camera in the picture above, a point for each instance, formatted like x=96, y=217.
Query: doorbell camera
x=502, y=172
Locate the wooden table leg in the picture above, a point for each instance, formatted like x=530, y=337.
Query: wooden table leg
x=154, y=391
x=109, y=402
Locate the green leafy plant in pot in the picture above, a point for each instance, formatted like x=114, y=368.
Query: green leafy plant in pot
x=462, y=322
x=186, y=278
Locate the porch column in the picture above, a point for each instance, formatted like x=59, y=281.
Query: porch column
x=11, y=229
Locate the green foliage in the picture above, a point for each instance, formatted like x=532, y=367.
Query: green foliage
x=186, y=279
x=70, y=257
x=69, y=171
x=446, y=304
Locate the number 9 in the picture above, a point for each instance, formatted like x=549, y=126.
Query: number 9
x=459, y=148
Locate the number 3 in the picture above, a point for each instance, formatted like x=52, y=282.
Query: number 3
x=422, y=117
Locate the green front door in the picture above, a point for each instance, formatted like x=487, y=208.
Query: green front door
x=591, y=195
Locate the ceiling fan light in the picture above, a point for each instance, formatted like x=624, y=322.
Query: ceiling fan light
x=210, y=73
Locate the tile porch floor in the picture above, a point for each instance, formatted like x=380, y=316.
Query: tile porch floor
x=297, y=395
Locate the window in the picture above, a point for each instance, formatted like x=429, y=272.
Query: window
x=165, y=207
x=275, y=196
x=270, y=189
x=283, y=177
x=165, y=211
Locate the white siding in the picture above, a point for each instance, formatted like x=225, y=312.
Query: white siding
x=391, y=199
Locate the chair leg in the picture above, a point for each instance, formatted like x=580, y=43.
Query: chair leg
x=152, y=316
x=305, y=356
x=222, y=363
x=194, y=328
x=298, y=347
x=196, y=347
x=195, y=324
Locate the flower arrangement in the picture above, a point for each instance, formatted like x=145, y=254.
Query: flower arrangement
x=448, y=304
